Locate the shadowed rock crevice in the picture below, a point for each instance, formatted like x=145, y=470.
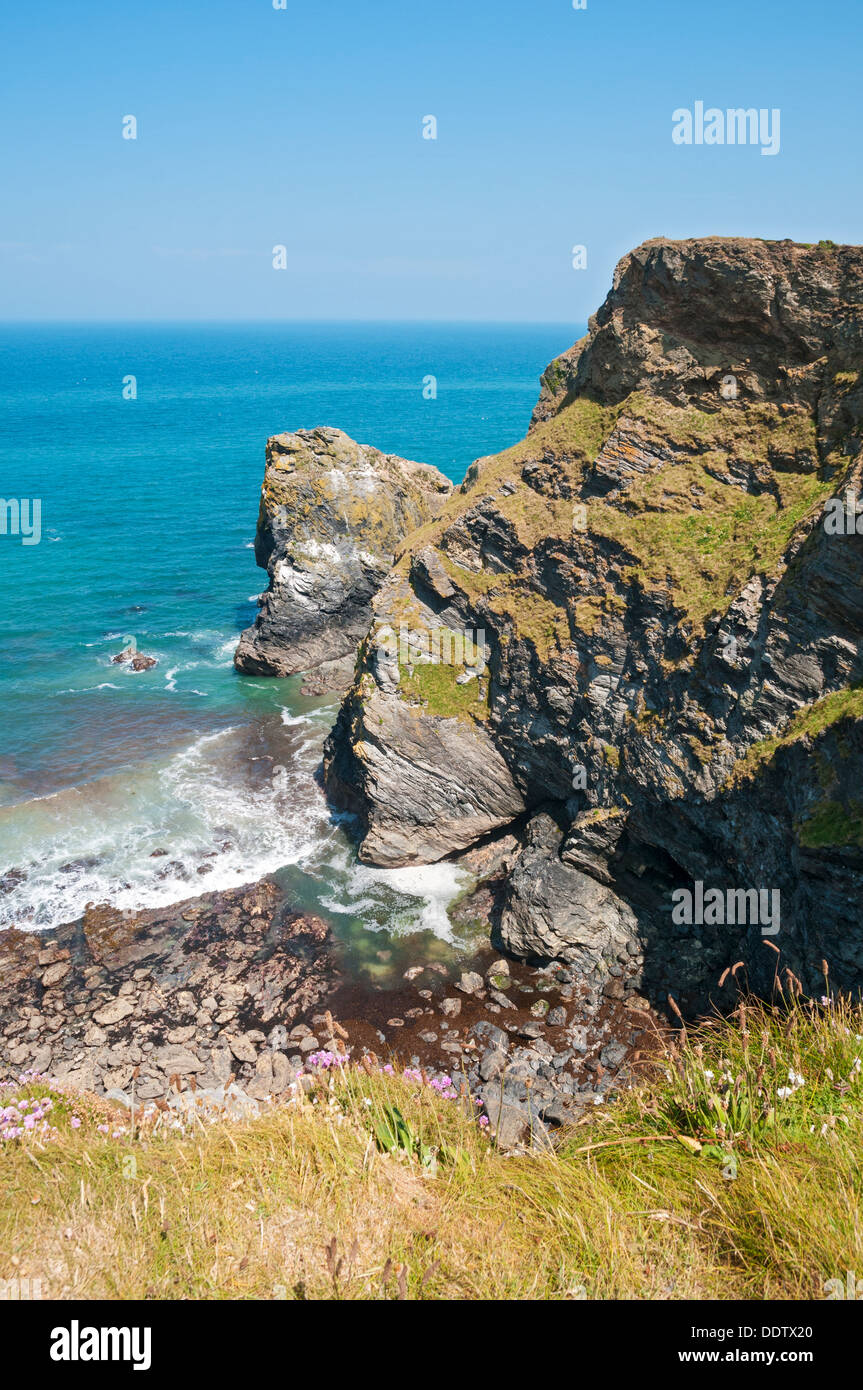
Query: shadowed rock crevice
x=670, y=630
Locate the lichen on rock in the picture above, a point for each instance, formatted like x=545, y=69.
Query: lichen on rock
x=659, y=600
x=332, y=515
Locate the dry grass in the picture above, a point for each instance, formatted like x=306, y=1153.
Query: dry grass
x=699, y=1183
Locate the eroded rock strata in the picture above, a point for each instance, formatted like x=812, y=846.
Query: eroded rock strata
x=672, y=638
x=332, y=514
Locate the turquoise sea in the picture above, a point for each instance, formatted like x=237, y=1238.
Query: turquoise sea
x=148, y=511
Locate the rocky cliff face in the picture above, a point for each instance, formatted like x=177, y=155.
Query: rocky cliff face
x=666, y=690
x=332, y=514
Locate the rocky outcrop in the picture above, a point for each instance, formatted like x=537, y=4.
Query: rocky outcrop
x=440, y=782
x=669, y=632
x=332, y=515
x=135, y=660
x=557, y=912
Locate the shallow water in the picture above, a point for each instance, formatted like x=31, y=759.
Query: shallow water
x=148, y=517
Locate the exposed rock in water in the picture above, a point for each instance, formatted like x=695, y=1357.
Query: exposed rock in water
x=135, y=660
x=332, y=515
x=661, y=642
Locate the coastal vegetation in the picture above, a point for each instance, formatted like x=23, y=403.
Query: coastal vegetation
x=729, y=1169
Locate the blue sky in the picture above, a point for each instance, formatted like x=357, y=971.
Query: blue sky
x=303, y=127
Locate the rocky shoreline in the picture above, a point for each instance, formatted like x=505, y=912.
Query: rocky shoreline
x=620, y=665
x=236, y=993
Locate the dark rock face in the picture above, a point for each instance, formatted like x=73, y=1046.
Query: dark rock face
x=554, y=911
x=204, y=989
x=673, y=636
x=683, y=314
x=447, y=786
x=332, y=515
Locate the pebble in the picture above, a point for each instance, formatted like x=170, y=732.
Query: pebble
x=470, y=982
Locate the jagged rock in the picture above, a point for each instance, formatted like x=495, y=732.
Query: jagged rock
x=178, y=1060
x=492, y=1063
x=513, y=1123
x=555, y=911
x=440, y=782
x=332, y=515
x=55, y=973
x=470, y=982
x=673, y=638
x=242, y=1048
x=135, y=660
x=114, y=1012
x=427, y=570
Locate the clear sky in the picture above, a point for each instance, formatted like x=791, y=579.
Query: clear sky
x=302, y=127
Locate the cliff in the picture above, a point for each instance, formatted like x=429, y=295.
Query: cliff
x=671, y=634
x=332, y=513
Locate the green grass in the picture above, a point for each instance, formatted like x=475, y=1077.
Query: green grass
x=434, y=686
x=731, y=1170
x=705, y=555
x=682, y=528
x=832, y=824
x=809, y=722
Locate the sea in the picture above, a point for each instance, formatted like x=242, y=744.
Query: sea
x=143, y=445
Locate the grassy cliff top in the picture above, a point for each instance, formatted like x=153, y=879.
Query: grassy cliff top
x=731, y=1171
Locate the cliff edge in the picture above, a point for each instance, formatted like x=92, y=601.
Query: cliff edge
x=658, y=681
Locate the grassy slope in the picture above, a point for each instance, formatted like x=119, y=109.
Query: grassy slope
x=679, y=528
x=634, y=1203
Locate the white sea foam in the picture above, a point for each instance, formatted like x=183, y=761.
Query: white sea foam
x=238, y=804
